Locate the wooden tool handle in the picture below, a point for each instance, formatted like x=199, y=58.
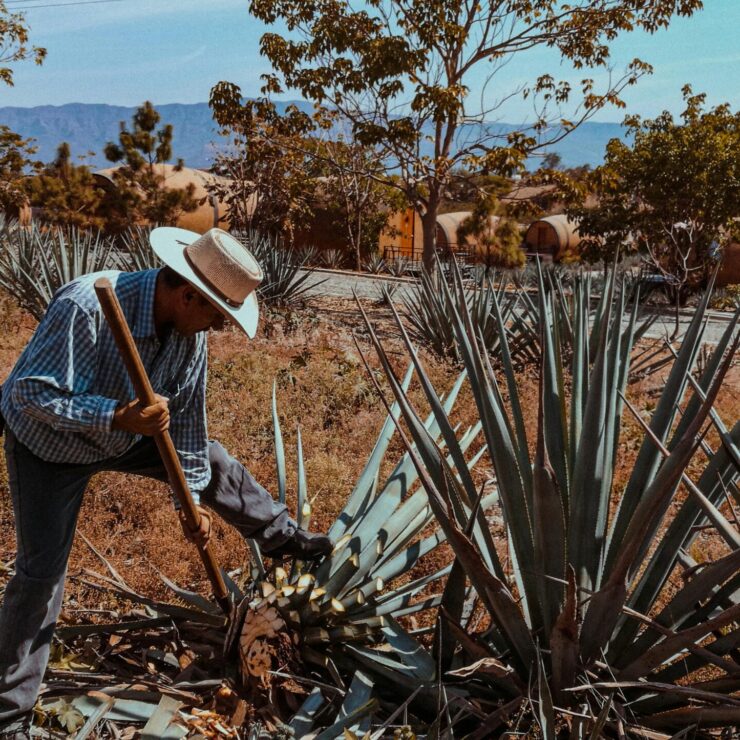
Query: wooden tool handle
x=145, y=393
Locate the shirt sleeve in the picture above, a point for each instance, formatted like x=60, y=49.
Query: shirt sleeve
x=188, y=426
x=57, y=392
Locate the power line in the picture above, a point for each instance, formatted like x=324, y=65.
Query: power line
x=58, y=5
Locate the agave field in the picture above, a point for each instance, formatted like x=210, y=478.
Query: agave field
x=36, y=261
x=500, y=577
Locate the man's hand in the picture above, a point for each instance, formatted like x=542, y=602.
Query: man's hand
x=201, y=535
x=145, y=420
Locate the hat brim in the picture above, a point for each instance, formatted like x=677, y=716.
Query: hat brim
x=169, y=245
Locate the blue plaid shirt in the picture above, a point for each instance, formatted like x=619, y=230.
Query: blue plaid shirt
x=60, y=397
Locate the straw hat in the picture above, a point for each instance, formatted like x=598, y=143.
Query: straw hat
x=218, y=265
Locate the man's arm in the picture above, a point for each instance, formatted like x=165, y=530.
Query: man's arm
x=62, y=365
x=62, y=362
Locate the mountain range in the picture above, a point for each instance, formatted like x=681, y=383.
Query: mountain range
x=88, y=127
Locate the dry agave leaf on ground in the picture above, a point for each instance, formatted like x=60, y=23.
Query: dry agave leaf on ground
x=310, y=625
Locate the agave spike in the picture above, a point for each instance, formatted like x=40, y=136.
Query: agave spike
x=279, y=447
x=720, y=471
x=723, y=527
x=357, y=499
x=648, y=458
x=549, y=525
x=604, y=607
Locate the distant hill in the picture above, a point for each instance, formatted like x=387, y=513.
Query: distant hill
x=88, y=127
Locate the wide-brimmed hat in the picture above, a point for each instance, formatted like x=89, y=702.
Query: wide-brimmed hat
x=217, y=265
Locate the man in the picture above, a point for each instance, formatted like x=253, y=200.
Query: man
x=69, y=412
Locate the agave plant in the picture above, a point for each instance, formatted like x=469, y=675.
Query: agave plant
x=306, y=255
x=398, y=266
x=35, y=263
x=135, y=250
x=286, y=278
x=344, y=611
x=334, y=259
x=335, y=623
x=374, y=264
x=600, y=621
x=385, y=292
x=430, y=310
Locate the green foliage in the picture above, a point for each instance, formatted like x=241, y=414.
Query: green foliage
x=66, y=194
x=399, y=71
x=727, y=298
x=270, y=174
x=137, y=252
x=15, y=163
x=353, y=196
x=333, y=259
x=141, y=192
x=430, y=311
x=673, y=194
x=36, y=261
x=14, y=43
x=374, y=263
x=497, y=239
x=582, y=611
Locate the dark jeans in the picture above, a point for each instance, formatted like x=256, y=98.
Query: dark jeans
x=46, y=501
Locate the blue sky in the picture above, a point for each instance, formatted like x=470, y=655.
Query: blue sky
x=173, y=51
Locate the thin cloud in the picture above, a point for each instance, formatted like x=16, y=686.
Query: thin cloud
x=53, y=21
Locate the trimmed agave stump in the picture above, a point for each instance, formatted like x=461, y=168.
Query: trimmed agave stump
x=282, y=633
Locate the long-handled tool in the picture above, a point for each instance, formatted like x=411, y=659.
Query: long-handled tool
x=145, y=393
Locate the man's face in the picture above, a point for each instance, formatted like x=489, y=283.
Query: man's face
x=195, y=313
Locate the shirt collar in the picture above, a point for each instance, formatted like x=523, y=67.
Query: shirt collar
x=144, y=323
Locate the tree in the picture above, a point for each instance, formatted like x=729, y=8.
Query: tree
x=15, y=151
x=14, y=43
x=552, y=161
x=498, y=239
x=673, y=194
x=67, y=193
x=399, y=71
x=15, y=163
x=142, y=194
x=268, y=165
x=359, y=206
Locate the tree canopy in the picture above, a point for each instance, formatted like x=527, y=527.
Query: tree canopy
x=400, y=72
x=14, y=43
x=67, y=193
x=141, y=191
x=673, y=193
x=15, y=164
x=269, y=169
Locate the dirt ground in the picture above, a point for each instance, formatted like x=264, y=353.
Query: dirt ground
x=323, y=387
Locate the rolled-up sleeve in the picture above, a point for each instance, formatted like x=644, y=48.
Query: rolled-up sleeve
x=57, y=392
x=188, y=426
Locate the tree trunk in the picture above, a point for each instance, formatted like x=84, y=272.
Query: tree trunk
x=358, y=244
x=677, y=312
x=429, y=230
